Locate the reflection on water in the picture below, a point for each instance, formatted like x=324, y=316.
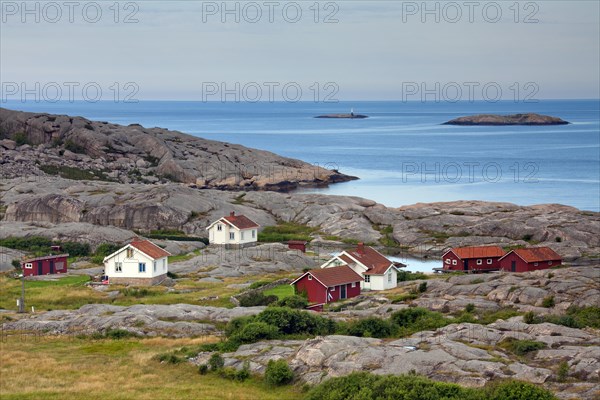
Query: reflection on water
x=418, y=264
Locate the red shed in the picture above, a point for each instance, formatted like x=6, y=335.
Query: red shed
x=473, y=259
x=297, y=245
x=45, y=265
x=327, y=285
x=531, y=259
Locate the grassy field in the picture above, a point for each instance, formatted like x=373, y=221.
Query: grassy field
x=67, y=368
x=281, y=291
x=70, y=292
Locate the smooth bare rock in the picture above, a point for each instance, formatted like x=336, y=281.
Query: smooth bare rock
x=175, y=320
x=171, y=155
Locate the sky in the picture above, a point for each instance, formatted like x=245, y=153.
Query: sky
x=347, y=50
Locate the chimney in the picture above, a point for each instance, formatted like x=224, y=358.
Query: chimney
x=232, y=214
x=361, y=247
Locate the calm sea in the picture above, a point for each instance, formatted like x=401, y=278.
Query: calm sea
x=402, y=153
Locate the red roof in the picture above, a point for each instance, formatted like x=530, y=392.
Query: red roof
x=537, y=254
x=50, y=257
x=334, y=276
x=376, y=262
x=477, y=252
x=150, y=249
x=240, y=221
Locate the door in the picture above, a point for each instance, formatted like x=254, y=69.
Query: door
x=466, y=265
x=343, y=292
x=513, y=266
x=51, y=266
x=40, y=268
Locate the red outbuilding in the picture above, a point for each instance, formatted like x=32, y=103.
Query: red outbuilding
x=45, y=265
x=531, y=259
x=297, y=245
x=326, y=285
x=473, y=259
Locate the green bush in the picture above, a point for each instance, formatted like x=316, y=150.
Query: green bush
x=422, y=287
x=106, y=249
x=548, y=302
x=470, y=307
x=530, y=317
x=76, y=249
x=278, y=373
x=74, y=147
x=563, y=371
x=216, y=362
x=521, y=347
x=370, y=327
x=257, y=284
x=294, y=301
x=404, y=276
x=254, y=332
x=516, y=390
x=21, y=138
x=256, y=299
x=296, y=322
x=202, y=369
x=119, y=334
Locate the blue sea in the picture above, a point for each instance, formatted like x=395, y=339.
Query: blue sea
x=402, y=154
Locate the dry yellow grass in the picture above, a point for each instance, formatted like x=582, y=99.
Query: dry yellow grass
x=65, y=368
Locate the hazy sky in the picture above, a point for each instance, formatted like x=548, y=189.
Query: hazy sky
x=375, y=50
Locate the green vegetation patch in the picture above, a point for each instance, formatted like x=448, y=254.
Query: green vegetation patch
x=76, y=174
x=285, y=231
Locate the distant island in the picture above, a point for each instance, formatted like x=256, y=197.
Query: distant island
x=515, y=119
x=343, y=116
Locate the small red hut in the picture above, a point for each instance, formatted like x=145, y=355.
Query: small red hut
x=297, y=245
x=531, y=259
x=326, y=285
x=45, y=265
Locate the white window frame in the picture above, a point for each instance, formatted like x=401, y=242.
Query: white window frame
x=479, y=261
x=333, y=289
x=253, y=233
x=231, y=235
x=310, y=277
x=242, y=235
x=129, y=252
x=59, y=265
x=448, y=261
x=154, y=266
x=389, y=277
x=535, y=264
x=489, y=261
x=367, y=278
x=454, y=262
x=549, y=262
x=219, y=227
x=28, y=265
x=142, y=268
x=353, y=284
x=118, y=267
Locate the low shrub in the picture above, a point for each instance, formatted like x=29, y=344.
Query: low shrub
x=563, y=371
x=254, y=332
x=422, y=287
x=119, y=334
x=521, y=347
x=216, y=362
x=202, y=369
x=295, y=301
x=404, y=276
x=548, y=302
x=278, y=373
x=370, y=327
x=256, y=299
x=296, y=322
x=516, y=390
x=470, y=308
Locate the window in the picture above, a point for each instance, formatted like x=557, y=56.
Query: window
x=118, y=267
x=353, y=284
x=535, y=264
x=447, y=261
x=489, y=261
x=141, y=268
x=549, y=262
x=232, y=235
x=310, y=277
x=242, y=235
x=129, y=252
x=219, y=227
x=253, y=233
x=154, y=266
x=333, y=289
x=453, y=262
x=367, y=278
x=59, y=265
x=479, y=262
x=28, y=265
x=164, y=263
x=390, y=277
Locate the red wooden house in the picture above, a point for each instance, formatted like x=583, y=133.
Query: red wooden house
x=531, y=259
x=297, y=245
x=45, y=265
x=480, y=258
x=327, y=285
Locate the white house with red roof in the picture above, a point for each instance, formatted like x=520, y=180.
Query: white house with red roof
x=378, y=272
x=233, y=231
x=140, y=262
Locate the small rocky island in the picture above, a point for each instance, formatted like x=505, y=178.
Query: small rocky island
x=515, y=119
x=343, y=116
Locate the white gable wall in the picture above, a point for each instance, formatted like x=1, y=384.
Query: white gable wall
x=130, y=265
